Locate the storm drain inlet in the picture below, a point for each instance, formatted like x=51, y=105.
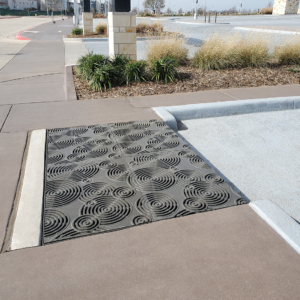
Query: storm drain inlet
x=108, y=177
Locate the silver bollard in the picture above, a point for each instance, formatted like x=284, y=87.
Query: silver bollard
x=209, y=17
x=205, y=18
x=216, y=17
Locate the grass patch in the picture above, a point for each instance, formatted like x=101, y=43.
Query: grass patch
x=155, y=27
x=222, y=51
x=166, y=45
x=289, y=52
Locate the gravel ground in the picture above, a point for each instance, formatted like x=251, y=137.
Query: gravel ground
x=193, y=79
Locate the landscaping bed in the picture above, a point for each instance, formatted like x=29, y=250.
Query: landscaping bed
x=194, y=79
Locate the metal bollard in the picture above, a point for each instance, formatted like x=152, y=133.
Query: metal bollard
x=216, y=17
x=209, y=17
x=205, y=17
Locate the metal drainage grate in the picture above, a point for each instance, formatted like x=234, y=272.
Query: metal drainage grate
x=108, y=177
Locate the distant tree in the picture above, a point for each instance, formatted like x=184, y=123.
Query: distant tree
x=201, y=10
x=270, y=4
x=232, y=10
x=135, y=10
x=154, y=4
x=180, y=11
x=169, y=11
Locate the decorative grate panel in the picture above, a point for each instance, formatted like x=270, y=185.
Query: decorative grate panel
x=108, y=177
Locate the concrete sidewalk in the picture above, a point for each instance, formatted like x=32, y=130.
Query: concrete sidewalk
x=226, y=254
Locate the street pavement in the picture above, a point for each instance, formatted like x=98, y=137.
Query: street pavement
x=227, y=254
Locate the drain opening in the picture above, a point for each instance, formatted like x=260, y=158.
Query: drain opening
x=107, y=177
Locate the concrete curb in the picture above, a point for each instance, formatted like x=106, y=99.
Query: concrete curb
x=69, y=84
x=28, y=222
x=228, y=108
x=281, y=222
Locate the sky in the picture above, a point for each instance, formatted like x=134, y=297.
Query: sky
x=211, y=4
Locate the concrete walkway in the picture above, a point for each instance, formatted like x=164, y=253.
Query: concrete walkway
x=226, y=254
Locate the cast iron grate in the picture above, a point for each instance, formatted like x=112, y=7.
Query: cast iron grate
x=108, y=177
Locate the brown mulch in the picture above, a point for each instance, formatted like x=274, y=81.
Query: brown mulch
x=193, y=80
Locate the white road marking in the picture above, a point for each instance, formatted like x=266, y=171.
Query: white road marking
x=267, y=30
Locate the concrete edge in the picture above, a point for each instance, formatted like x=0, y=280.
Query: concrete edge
x=267, y=30
x=13, y=214
x=228, y=108
x=166, y=116
x=69, y=85
x=280, y=221
x=72, y=39
x=28, y=222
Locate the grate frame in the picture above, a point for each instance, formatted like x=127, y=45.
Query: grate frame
x=109, y=177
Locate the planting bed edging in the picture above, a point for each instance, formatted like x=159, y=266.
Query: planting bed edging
x=172, y=114
x=69, y=84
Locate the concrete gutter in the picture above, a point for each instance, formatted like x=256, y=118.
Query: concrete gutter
x=281, y=222
x=172, y=114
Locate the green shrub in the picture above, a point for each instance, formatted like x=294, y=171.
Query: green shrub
x=104, y=76
x=88, y=64
x=164, y=69
x=100, y=28
x=136, y=71
x=77, y=31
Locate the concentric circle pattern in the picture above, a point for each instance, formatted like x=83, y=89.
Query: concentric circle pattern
x=195, y=204
x=57, y=131
x=118, y=173
x=61, y=192
x=84, y=171
x=77, y=131
x=100, y=129
x=198, y=162
x=213, y=178
x=57, y=171
x=164, y=160
x=61, y=144
x=128, y=147
x=108, y=209
x=55, y=157
x=103, y=178
x=86, y=223
x=107, y=164
x=139, y=220
x=158, y=205
x=76, y=157
x=161, y=124
x=151, y=179
x=212, y=194
x=124, y=192
x=54, y=222
x=96, y=189
x=186, y=176
x=240, y=201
